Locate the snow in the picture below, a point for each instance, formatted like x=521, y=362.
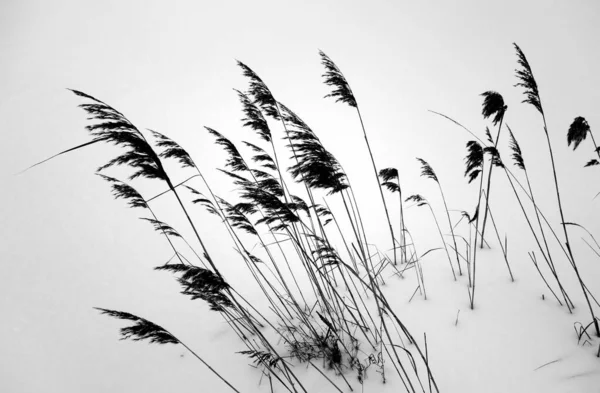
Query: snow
x=67, y=246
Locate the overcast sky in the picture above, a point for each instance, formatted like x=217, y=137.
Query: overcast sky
x=170, y=66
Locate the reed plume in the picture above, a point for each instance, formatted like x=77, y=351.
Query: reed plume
x=144, y=330
x=315, y=165
x=260, y=92
x=234, y=161
x=474, y=160
x=517, y=154
x=527, y=81
x=493, y=105
x=334, y=78
x=200, y=283
x=578, y=131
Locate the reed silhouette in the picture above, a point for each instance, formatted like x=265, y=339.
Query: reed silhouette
x=325, y=300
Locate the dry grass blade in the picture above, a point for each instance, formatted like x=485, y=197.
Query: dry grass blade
x=63, y=152
x=488, y=135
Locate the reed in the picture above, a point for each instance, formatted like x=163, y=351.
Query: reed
x=324, y=301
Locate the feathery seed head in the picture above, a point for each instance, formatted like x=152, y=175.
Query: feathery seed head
x=113, y=127
x=578, y=131
x=254, y=117
x=493, y=105
x=426, y=170
x=418, y=199
x=516, y=149
x=334, y=78
x=234, y=160
x=121, y=190
x=260, y=92
x=142, y=329
x=474, y=160
x=527, y=81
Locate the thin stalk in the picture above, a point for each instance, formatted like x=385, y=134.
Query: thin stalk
x=209, y=367
x=474, y=263
x=595, y=146
x=451, y=230
x=489, y=182
x=402, y=226
x=564, y=226
x=443, y=241
x=387, y=215
x=532, y=256
x=548, y=255
x=537, y=240
x=504, y=253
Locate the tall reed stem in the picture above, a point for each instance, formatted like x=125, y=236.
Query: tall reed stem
x=566, y=233
x=489, y=183
x=387, y=215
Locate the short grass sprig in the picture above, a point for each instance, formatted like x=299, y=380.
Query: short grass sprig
x=421, y=201
x=427, y=171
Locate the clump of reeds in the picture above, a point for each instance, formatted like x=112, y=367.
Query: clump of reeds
x=494, y=107
x=342, y=309
x=331, y=318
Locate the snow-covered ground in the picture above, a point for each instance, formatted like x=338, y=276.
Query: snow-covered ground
x=67, y=246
